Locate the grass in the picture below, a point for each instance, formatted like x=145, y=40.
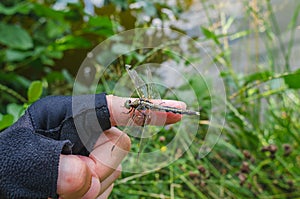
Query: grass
x=258, y=153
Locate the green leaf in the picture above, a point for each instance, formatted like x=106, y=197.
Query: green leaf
x=210, y=35
x=54, y=54
x=293, y=80
x=6, y=121
x=22, y=8
x=15, y=110
x=138, y=57
x=46, y=60
x=14, y=36
x=16, y=55
x=71, y=42
x=67, y=76
x=35, y=91
x=175, y=56
x=100, y=25
x=56, y=28
x=46, y=11
x=257, y=76
x=100, y=21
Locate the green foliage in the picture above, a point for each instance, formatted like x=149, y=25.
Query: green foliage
x=6, y=121
x=293, y=80
x=210, y=35
x=257, y=155
x=15, y=37
x=14, y=111
x=35, y=91
x=35, y=36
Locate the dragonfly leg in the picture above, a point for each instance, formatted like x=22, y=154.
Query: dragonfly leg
x=139, y=116
x=113, y=147
x=144, y=119
x=130, y=110
x=136, y=117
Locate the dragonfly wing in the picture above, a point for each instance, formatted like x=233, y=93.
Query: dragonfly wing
x=140, y=85
x=145, y=90
x=142, y=145
x=152, y=91
x=142, y=91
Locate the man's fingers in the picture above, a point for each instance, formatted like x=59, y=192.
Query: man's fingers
x=110, y=149
x=78, y=178
x=106, y=193
x=94, y=190
x=73, y=175
x=87, y=177
x=120, y=115
x=110, y=180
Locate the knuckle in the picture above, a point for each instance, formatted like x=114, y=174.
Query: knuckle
x=125, y=142
x=76, y=176
x=117, y=173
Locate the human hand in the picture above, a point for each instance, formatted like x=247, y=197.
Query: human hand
x=91, y=177
x=42, y=154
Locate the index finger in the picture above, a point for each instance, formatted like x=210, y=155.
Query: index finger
x=120, y=115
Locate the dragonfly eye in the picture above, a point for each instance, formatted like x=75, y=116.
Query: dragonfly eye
x=127, y=104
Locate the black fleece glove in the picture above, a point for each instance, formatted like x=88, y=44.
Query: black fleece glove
x=30, y=149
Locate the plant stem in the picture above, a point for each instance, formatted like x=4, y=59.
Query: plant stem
x=12, y=93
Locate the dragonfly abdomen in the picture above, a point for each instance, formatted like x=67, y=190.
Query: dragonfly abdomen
x=143, y=104
x=179, y=111
x=150, y=105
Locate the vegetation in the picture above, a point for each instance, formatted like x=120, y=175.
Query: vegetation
x=42, y=47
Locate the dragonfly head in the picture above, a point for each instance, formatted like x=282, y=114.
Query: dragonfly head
x=127, y=104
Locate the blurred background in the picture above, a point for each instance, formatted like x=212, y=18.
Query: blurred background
x=254, y=44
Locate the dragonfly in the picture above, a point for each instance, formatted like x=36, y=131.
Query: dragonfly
x=146, y=92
